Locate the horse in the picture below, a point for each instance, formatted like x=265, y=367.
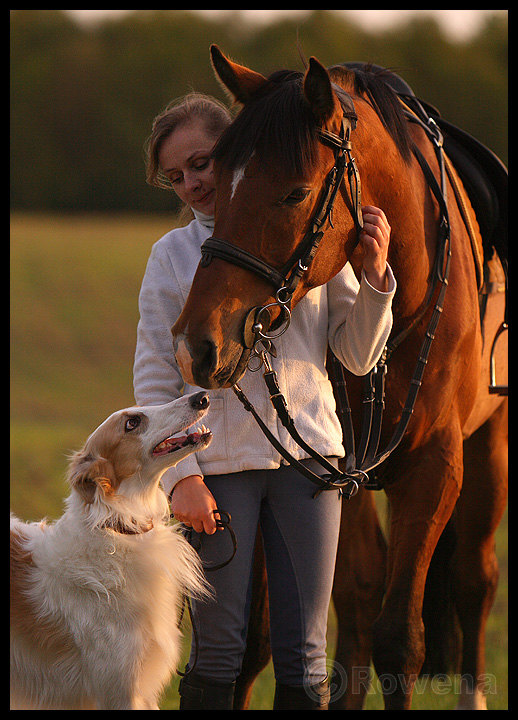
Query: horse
x=447, y=478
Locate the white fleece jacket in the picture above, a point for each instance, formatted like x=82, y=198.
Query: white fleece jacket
x=354, y=318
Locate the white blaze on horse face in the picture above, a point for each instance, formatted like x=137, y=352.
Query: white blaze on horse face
x=239, y=174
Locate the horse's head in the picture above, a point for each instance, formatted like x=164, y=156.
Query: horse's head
x=273, y=168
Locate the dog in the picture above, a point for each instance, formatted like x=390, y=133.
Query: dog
x=95, y=596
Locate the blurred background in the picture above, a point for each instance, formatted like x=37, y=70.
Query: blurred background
x=85, y=87
x=86, y=84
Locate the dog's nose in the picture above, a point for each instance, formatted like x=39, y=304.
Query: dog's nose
x=200, y=401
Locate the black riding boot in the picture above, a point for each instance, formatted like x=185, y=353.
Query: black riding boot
x=312, y=697
x=199, y=694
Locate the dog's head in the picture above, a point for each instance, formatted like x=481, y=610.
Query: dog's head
x=131, y=449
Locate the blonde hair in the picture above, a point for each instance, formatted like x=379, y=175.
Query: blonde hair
x=182, y=110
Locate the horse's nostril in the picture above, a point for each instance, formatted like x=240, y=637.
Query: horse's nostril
x=200, y=401
x=206, y=357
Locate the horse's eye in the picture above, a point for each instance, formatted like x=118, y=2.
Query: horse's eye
x=295, y=197
x=132, y=423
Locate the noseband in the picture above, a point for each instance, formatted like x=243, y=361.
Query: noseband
x=286, y=279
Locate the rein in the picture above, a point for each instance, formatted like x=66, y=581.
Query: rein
x=258, y=336
x=223, y=522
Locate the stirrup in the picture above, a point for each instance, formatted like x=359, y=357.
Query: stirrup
x=493, y=388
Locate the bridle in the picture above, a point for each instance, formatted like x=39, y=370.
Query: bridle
x=259, y=333
x=257, y=327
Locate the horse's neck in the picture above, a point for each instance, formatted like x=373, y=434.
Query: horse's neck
x=401, y=193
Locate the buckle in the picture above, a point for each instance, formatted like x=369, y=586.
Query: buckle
x=438, y=138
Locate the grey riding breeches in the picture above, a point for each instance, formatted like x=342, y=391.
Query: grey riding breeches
x=300, y=539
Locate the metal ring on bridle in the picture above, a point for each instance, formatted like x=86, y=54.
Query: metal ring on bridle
x=255, y=362
x=288, y=293
x=359, y=481
x=261, y=347
x=285, y=321
x=353, y=492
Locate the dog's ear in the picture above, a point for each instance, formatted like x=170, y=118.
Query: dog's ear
x=88, y=474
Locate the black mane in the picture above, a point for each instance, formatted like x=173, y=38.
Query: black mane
x=371, y=83
x=277, y=121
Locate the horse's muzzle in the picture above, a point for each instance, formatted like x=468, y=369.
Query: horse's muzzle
x=202, y=365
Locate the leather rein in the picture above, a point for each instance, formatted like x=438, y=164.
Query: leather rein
x=259, y=333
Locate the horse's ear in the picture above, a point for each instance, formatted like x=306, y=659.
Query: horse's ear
x=241, y=82
x=318, y=92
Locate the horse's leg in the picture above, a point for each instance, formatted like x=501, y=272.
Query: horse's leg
x=421, y=500
x=479, y=510
x=257, y=654
x=357, y=595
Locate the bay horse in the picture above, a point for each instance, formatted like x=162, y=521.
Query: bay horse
x=272, y=167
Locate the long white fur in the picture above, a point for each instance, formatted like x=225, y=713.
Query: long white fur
x=95, y=609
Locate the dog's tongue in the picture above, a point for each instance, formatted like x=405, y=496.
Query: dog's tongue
x=171, y=444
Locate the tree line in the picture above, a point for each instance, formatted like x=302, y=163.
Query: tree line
x=83, y=98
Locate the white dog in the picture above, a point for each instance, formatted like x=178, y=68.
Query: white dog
x=95, y=596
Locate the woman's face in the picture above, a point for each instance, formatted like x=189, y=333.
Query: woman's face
x=185, y=158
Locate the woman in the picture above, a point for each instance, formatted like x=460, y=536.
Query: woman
x=241, y=472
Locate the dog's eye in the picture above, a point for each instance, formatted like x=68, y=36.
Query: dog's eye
x=132, y=423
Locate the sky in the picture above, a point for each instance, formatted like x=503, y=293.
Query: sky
x=459, y=24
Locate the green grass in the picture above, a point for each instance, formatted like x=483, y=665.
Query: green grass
x=74, y=311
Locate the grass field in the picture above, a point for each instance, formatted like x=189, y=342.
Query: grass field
x=74, y=291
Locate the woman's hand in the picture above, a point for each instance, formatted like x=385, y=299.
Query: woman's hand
x=193, y=504
x=375, y=238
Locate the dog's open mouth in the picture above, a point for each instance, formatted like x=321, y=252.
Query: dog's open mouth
x=199, y=437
